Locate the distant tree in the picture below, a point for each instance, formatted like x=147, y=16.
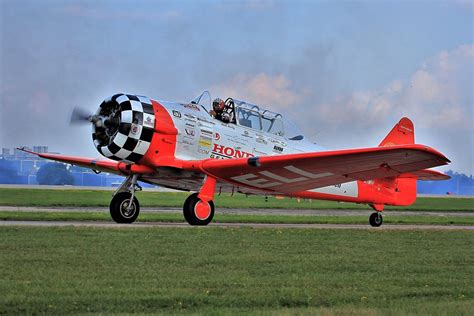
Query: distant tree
x=8, y=173
x=54, y=174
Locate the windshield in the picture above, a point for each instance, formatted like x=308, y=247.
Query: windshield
x=204, y=99
x=250, y=115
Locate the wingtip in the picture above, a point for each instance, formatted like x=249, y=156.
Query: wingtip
x=26, y=150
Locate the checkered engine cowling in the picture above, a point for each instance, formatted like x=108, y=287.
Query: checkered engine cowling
x=127, y=129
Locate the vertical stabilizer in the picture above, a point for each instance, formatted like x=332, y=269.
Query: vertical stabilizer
x=404, y=189
x=402, y=133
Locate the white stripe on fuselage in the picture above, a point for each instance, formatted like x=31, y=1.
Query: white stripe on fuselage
x=348, y=189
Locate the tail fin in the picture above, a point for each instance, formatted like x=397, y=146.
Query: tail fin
x=402, y=133
x=404, y=189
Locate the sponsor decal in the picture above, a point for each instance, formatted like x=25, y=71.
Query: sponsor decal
x=187, y=142
x=189, y=132
x=192, y=106
x=261, y=141
x=278, y=142
x=217, y=136
x=228, y=152
x=278, y=148
x=190, y=125
x=191, y=117
x=209, y=133
x=205, y=142
x=135, y=129
x=177, y=114
x=206, y=121
x=203, y=151
x=149, y=121
x=246, y=134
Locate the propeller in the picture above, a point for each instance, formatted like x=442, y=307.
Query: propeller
x=81, y=116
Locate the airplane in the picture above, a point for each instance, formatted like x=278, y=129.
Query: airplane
x=185, y=146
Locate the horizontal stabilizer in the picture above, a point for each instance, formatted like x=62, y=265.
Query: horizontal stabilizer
x=426, y=175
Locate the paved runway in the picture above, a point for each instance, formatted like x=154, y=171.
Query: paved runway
x=104, y=224
x=258, y=211
x=298, y=212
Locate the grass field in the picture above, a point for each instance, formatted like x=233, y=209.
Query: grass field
x=240, y=218
x=215, y=271
x=37, y=197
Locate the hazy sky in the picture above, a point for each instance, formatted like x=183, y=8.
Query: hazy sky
x=345, y=71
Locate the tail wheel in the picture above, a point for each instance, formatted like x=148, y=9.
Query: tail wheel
x=120, y=210
x=376, y=219
x=198, y=212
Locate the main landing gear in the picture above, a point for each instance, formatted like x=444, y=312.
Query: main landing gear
x=376, y=219
x=198, y=212
x=124, y=207
x=198, y=209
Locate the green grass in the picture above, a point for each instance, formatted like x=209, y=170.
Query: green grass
x=216, y=271
x=240, y=218
x=40, y=197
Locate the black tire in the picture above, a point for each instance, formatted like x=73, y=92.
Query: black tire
x=189, y=211
x=118, y=208
x=376, y=219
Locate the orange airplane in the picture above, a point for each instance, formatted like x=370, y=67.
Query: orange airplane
x=234, y=146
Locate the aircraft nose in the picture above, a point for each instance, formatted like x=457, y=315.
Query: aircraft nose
x=127, y=129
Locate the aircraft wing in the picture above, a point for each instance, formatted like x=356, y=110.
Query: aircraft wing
x=95, y=164
x=299, y=172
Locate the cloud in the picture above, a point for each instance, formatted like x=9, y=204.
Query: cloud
x=84, y=11
x=261, y=89
x=438, y=97
x=438, y=94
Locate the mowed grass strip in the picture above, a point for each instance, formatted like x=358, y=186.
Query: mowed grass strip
x=169, y=270
x=240, y=218
x=47, y=197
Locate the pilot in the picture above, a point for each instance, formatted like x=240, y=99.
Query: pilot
x=218, y=106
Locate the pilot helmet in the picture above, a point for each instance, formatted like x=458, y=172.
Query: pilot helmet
x=218, y=105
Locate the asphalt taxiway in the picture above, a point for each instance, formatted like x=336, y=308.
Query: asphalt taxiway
x=241, y=211
x=103, y=224
x=298, y=212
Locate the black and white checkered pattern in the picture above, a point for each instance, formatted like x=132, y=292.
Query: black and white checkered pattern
x=135, y=131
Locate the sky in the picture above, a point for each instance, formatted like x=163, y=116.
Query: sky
x=344, y=71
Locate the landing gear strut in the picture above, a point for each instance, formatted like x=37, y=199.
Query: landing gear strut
x=198, y=208
x=124, y=207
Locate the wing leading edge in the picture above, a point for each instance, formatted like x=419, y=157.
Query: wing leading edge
x=95, y=164
x=300, y=172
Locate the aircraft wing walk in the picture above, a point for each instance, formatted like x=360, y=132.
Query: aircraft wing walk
x=300, y=172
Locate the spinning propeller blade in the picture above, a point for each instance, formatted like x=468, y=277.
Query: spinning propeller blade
x=80, y=116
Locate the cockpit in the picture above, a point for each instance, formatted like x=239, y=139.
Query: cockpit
x=251, y=116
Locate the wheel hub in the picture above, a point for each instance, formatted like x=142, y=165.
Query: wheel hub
x=124, y=209
x=202, y=210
